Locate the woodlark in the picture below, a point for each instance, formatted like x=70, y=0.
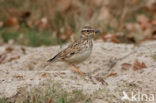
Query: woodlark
x=79, y=50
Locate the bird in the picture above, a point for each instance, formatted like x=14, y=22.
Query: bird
x=79, y=50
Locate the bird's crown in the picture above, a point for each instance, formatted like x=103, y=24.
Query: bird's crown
x=88, y=31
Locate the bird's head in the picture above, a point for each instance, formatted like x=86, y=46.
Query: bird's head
x=88, y=32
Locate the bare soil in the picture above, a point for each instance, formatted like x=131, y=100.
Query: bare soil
x=111, y=69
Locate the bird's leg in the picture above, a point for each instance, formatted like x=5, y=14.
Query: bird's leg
x=77, y=69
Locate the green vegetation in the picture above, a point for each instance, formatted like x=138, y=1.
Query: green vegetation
x=28, y=36
x=36, y=23
x=52, y=94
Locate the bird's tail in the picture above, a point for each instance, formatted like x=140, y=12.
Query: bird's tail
x=55, y=58
x=52, y=59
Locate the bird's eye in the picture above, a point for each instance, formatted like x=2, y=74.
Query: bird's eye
x=87, y=30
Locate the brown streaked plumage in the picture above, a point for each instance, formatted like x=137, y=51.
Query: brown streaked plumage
x=79, y=50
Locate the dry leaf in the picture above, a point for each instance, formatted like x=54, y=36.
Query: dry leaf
x=12, y=21
x=44, y=75
x=143, y=65
x=2, y=58
x=125, y=66
x=100, y=79
x=19, y=76
x=13, y=58
x=23, y=50
x=110, y=37
x=144, y=21
x=115, y=39
x=31, y=79
x=138, y=65
x=112, y=74
x=9, y=49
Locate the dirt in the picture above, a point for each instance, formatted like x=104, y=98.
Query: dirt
x=111, y=70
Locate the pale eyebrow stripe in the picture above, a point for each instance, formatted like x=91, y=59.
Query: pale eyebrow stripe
x=87, y=30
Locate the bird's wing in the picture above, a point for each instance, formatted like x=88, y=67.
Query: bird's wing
x=68, y=52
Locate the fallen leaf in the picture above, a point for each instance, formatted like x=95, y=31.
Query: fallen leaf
x=138, y=65
x=143, y=65
x=13, y=58
x=100, y=79
x=115, y=39
x=18, y=76
x=112, y=74
x=23, y=50
x=12, y=21
x=9, y=49
x=110, y=38
x=44, y=75
x=2, y=58
x=125, y=66
x=31, y=79
x=144, y=21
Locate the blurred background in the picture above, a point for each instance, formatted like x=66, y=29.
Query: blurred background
x=52, y=22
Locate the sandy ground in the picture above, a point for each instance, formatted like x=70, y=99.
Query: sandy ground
x=109, y=71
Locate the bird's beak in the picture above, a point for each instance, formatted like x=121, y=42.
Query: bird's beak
x=97, y=31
